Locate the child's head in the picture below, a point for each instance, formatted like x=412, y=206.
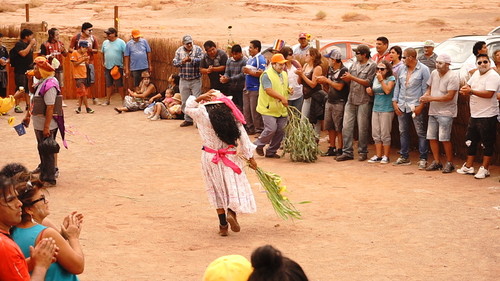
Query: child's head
x=177, y=98
x=174, y=79
x=83, y=46
x=169, y=93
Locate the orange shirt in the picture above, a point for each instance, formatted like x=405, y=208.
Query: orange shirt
x=13, y=266
x=79, y=71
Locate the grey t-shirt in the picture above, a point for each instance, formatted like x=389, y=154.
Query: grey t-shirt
x=50, y=99
x=440, y=87
x=357, y=92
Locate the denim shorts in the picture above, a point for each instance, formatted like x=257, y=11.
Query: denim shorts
x=439, y=126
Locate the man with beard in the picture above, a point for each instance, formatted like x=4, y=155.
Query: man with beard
x=481, y=88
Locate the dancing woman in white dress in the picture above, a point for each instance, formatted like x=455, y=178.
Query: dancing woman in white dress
x=225, y=143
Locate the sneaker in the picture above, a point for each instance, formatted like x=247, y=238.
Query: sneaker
x=64, y=104
x=331, y=152
x=117, y=110
x=362, y=157
x=422, y=163
x=448, y=168
x=78, y=110
x=375, y=159
x=18, y=109
x=338, y=152
x=95, y=101
x=149, y=116
x=155, y=118
x=344, y=157
x=402, y=162
x=89, y=110
x=384, y=160
x=434, y=166
x=56, y=174
x=186, y=124
x=260, y=150
x=465, y=170
x=105, y=103
x=482, y=173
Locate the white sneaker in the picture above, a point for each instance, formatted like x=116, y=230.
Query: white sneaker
x=465, y=171
x=482, y=173
x=422, y=164
x=155, y=118
x=384, y=160
x=375, y=159
x=150, y=116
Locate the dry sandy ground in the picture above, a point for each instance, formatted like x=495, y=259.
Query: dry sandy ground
x=139, y=183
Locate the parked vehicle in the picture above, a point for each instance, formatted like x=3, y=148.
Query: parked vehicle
x=459, y=48
x=495, y=31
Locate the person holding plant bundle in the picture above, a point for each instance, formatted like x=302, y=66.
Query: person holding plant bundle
x=220, y=124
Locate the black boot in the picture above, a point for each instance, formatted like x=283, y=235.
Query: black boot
x=331, y=151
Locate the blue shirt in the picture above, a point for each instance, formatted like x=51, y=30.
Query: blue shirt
x=189, y=70
x=113, y=52
x=382, y=102
x=409, y=95
x=138, y=53
x=257, y=62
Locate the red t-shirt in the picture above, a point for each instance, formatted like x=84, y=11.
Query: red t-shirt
x=13, y=266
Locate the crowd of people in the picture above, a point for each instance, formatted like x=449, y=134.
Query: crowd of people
x=249, y=96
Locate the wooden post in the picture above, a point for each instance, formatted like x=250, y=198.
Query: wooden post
x=27, y=7
x=116, y=18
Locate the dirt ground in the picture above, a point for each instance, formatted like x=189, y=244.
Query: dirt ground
x=139, y=183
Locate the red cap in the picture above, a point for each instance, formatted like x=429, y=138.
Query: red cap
x=303, y=35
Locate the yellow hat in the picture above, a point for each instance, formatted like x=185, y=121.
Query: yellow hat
x=228, y=268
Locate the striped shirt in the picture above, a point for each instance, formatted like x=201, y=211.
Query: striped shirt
x=235, y=73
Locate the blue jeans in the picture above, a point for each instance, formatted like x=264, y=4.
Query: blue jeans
x=297, y=103
x=360, y=114
x=404, y=134
x=188, y=88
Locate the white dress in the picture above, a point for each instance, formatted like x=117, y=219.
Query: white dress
x=225, y=188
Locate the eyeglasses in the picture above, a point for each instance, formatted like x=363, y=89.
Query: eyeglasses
x=481, y=62
x=38, y=200
x=381, y=68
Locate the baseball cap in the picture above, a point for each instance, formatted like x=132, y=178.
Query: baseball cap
x=111, y=30
x=334, y=54
x=429, y=43
x=444, y=58
x=187, y=39
x=228, y=268
x=363, y=49
x=115, y=72
x=303, y=35
x=278, y=58
x=136, y=33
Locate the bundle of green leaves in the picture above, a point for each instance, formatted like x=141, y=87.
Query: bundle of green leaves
x=300, y=140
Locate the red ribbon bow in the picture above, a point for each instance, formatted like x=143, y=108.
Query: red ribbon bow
x=221, y=155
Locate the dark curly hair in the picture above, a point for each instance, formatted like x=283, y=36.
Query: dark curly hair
x=270, y=265
x=223, y=122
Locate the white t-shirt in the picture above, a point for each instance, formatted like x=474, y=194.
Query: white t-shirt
x=484, y=107
x=440, y=87
x=293, y=82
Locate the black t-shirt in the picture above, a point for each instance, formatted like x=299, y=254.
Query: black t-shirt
x=219, y=60
x=335, y=96
x=21, y=64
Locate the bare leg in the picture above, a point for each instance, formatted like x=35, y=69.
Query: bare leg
x=109, y=91
x=448, y=150
x=470, y=161
x=378, y=149
x=486, y=162
x=434, y=144
x=331, y=136
x=340, y=140
x=121, y=90
x=387, y=150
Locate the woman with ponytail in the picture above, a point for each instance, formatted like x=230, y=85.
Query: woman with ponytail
x=225, y=143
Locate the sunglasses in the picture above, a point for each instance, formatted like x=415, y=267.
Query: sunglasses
x=481, y=62
x=381, y=68
x=38, y=200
